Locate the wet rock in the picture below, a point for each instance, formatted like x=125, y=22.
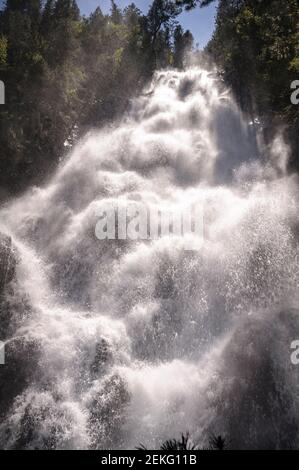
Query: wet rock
x=8, y=260
x=254, y=393
x=19, y=370
x=14, y=306
x=42, y=427
x=103, y=357
x=108, y=412
x=185, y=88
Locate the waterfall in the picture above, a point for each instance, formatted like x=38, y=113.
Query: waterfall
x=115, y=342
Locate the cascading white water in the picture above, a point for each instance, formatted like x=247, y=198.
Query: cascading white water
x=126, y=342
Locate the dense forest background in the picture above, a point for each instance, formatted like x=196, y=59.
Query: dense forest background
x=65, y=73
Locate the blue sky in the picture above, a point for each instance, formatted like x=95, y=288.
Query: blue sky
x=200, y=21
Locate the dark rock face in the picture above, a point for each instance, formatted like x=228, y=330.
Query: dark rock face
x=103, y=358
x=21, y=353
x=14, y=306
x=7, y=262
x=19, y=370
x=107, y=413
x=256, y=405
x=7, y=274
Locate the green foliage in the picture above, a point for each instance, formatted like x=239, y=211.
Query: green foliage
x=215, y=443
x=116, y=14
x=174, y=445
x=183, y=444
x=183, y=43
x=3, y=50
x=65, y=73
x=161, y=20
x=189, y=4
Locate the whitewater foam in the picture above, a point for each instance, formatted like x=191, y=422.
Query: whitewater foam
x=130, y=341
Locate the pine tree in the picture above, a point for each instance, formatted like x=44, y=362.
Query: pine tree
x=47, y=17
x=115, y=13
